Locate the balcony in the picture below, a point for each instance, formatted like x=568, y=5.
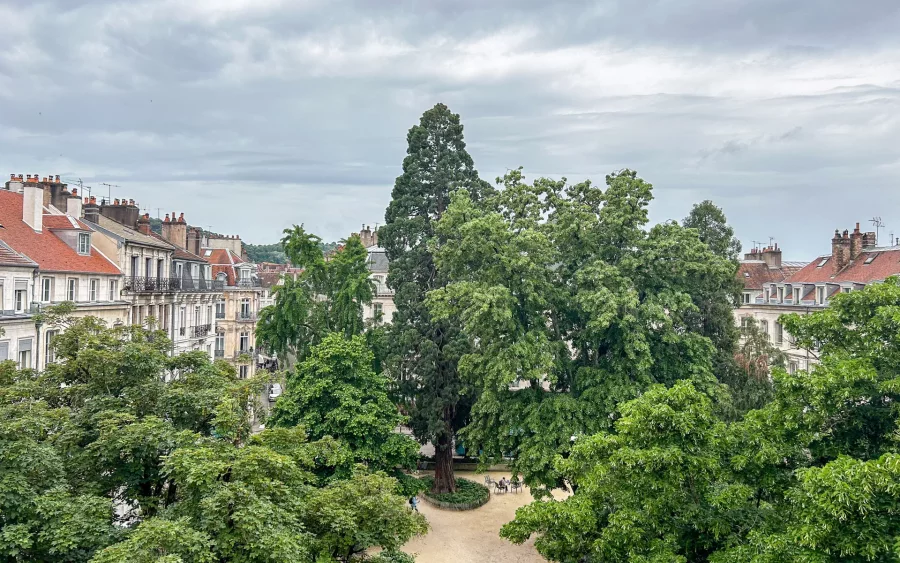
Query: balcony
x=246, y=317
x=240, y=353
x=171, y=285
x=251, y=283
x=200, y=331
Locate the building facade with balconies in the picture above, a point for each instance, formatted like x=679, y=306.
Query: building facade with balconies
x=17, y=329
x=237, y=309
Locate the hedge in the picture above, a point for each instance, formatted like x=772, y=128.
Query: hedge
x=468, y=495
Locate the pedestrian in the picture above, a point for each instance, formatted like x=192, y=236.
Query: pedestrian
x=414, y=503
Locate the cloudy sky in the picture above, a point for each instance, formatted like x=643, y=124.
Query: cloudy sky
x=251, y=115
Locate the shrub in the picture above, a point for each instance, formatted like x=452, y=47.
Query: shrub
x=408, y=485
x=467, y=492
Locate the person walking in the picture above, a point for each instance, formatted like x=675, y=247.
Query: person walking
x=414, y=503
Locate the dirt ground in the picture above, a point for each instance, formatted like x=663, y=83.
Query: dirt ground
x=473, y=536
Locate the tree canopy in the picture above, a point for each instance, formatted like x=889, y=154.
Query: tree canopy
x=327, y=296
x=119, y=452
x=571, y=307
x=811, y=476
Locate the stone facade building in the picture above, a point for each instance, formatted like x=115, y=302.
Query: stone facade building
x=236, y=312
x=773, y=288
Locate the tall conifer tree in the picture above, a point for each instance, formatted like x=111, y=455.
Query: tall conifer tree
x=425, y=351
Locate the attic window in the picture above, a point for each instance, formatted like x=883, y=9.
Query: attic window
x=871, y=258
x=208, y=253
x=823, y=262
x=84, y=243
x=746, y=274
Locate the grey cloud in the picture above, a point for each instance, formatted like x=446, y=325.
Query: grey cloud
x=251, y=115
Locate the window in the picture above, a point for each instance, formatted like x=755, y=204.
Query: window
x=871, y=258
x=780, y=294
x=746, y=298
x=50, y=353
x=779, y=333
x=113, y=290
x=820, y=295
x=135, y=267
x=823, y=262
x=20, y=295
x=197, y=315
x=84, y=243
x=220, y=310
x=379, y=311
x=94, y=289
x=764, y=327
x=245, y=308
x=845, y=289
x=148, y=267
x=243, y=371
x=183, y=319
x=4, y=351
x=220, y=342
x=244, y=342
x=25, y=353
x=179, y=270
x=792, y=367
x=46, y=289
x=160, y=269
x=796, y=296
x=72, y=289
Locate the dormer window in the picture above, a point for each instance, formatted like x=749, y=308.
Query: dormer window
x=84, y=243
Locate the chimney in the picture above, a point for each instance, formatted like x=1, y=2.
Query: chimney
x=33, y=206
x=772, y=257
x=143, y=224
x=193, y=240
x=91, y=210
x=840, y=251
x=856, y=243
x=73, y=205
x=868, y=240
x=175, y=231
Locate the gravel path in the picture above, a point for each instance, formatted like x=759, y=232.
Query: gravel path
x=473, y=536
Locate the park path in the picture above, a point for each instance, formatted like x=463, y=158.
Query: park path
x=473, y=536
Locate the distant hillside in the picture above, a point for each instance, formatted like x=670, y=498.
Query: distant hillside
x=156, y=225
x=275, y=253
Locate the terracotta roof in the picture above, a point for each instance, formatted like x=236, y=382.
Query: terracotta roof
x=9, y=257
x=885, y=263
x=755, y=273
x=45, y=248
x=223, y=261
x=269, y=279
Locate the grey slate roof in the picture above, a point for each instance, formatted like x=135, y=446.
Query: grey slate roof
x=378, y=261
x=121, y=232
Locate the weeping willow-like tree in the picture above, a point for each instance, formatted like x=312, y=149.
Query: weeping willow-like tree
x=326, y=297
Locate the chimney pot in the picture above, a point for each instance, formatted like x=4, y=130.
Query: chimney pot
x=12, y=176
x=74, y=191
x=57, y=177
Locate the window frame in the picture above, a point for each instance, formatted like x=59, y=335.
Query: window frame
x=46, y=289
x=113, y=287
x=93, y=289
x=83, y=245
x=72, y=289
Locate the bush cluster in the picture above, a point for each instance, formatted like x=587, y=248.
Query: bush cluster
x=467, y=492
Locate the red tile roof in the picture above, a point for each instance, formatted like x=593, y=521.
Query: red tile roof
x=45, y=248
x=755, y=274
x=223, y=260
x=885, y=265
x=9, y=257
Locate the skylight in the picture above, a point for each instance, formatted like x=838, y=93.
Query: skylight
x=871, y=257
x=822, y=263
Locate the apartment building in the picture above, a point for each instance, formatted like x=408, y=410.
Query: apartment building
x=237, y=310
x=164, y=283
x=17, y=330
x=778, y=288
x=40, y=223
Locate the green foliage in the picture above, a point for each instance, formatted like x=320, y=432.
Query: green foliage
x=467, y=492
x=709, y=221
x=811, y=476
x=266, y=253
x=571, y=307
x=335, y=392
x=167, y=442
x=328, y=296
x=424, y=352
x=409, y=485
x=392, y=557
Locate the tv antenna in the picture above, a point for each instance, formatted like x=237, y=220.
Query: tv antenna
x=109, y=188
x=757, y=244
x=878, y=224
x=771, y=241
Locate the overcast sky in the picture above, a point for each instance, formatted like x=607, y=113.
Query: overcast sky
x=251, y=115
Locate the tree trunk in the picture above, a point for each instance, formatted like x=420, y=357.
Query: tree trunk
x=444, y=480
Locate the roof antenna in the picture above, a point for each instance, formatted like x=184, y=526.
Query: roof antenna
x=877, y=223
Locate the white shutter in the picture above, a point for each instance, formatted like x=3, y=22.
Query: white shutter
x=21, y=285
x=25, y=345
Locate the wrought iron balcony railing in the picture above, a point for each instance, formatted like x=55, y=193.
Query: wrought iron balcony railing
x=166, y=285
x=246, y=316
x=200, y=331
